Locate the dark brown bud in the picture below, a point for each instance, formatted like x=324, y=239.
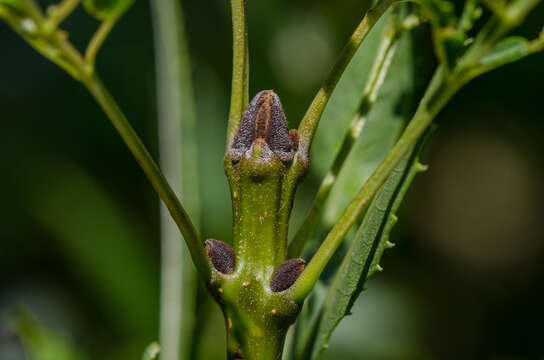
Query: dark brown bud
x=263, y=119
x=286, y=274
x=221, y=255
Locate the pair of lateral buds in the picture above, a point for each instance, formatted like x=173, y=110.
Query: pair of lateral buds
x=223, y=260
x=263, y=125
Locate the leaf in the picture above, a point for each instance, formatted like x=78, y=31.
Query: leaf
x=107, y=9
x=365, y=252
x=506, y=51
x=152, y=351
x=41, y=343
x=384, y=123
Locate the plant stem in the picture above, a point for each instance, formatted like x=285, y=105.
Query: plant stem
x=152, y=171
x=436, y=96
x=376, y=78
x=60, y=12
x=33, y=10
x=495, y=28
x=75, y=65
x=176, y=121
x=441, y=88
x=311, y=119
x=97, y=40
x=239, y=97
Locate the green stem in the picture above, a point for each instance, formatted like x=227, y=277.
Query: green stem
x=311, y=119
x=177, y=135
x=67, y=57
x=81, y=72
x=495, y=28
x=239, y=97
x=97, y=40
x=436, y=96
x=57, y=13
x=379, y=70
x=34, y=11
x=152, y=171
x=466, y=20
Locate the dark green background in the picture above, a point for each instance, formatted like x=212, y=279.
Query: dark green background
x=464, y=282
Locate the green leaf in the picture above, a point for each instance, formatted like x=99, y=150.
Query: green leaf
x=152, y=351
x=107, y=9
x=385, y=121
x=41, y=343
x=365, y=252
x=506, y=51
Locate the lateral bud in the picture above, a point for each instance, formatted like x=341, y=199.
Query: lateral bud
x=221, y=256
x=286, y=274
x=264, y=124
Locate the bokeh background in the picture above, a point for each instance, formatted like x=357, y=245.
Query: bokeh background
x=79, y=243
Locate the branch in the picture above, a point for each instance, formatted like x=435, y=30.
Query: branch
x=97, y=40
x=239, y=97
x=436, y=96
x=57, y=13
x=376, y=78
x=440, y=90
x=152, y=171
x=311, y=119
x=71, y=60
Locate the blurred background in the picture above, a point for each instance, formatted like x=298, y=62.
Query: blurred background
x=79, y=245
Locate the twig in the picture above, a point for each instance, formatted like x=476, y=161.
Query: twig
x=96, y=42
x=311, y=119
x=57, y=13
x=377, y=75
x=436, y=96
x=239, y=97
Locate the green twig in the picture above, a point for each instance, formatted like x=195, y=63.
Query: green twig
x=33, y=11
x=239, y=97
x=97, y=40
x=311, y=119
x=73, y=62
x=436, y=96
x=57, y=13
x=377, y=75
x=471, y=12
x=442, y=87
x=152, y=171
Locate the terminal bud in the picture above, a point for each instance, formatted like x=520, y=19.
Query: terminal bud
x=264, y=124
